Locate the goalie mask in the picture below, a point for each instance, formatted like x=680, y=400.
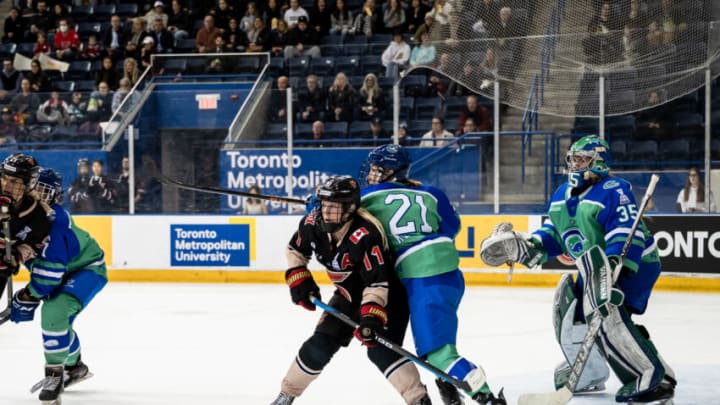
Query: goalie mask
x=385, y=163
x=50, y=186
x=339, y=199
x=587, y=159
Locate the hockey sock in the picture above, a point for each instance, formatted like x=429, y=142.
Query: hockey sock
x=57, y=329
x=447, y=358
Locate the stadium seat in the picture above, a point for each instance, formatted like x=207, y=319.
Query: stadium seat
x=64, y=86
x=186, y=45
x=350, y=65
x=85, y=85
x=416, y=128
x=299, y=66
x=376, y=49
x=355, y=45
x=26, y=48
x=331, y=45
x=620, y=127
x=426, y=107
x=336, y=130
x=453, y=106
x=644, y=150
x=407, y=108
x=79, y=70
x=688, y=124
x=277, y=66
x=7, y=50
x=174, y=66
x=619, y=152
x=371, y=64
x=248, y=64
x=715, y=149
x=102, y=12
x=358, y=129
x=196, y=66
x=127, y=10
x=414, y=85
x=81, y=13
x=686, y=103
x=303, y=131
x=64, y=133
x=85, y=29
x=322, y=66
x=674, y=149
x=276, y=131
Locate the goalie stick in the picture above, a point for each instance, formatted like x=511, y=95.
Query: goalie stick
x=153, y=170
x=5, y=314
x=564, y=394
x=394, y=347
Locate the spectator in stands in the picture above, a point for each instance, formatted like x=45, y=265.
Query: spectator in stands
x=164, y=40
x=148, y=50
x=403, y=138
x=222, y=14
x=657, y=122
x=92, y=50
x=14, y=27
x=122, y=188
x=115, y=39
x=25, y=103
x=425, y=27
x=179, y=22
x=367, y=22
x=40, y=21
x=158, y=11
x=293, y=14
x=468, y=127
x=80, y=202
x=130, y=71
x=341, y=99
x=415, y=17
x=39, y=80
x=138, y=33
x=254, y=206
x=341, y=19
x=42, y=47
x=396, y=56
x=467, y=83
x=8, y=126
x=59, y=12
x=505, y=28
x=67, y=42
x=279, y=38
x=278, y=104
x=10, y=79
x=100, y=104
x=439, y=83
x=692, y=197
x=488, y=14
x=303, y=41
x=394, y=17
x=635, y=31
x=320, y=17
x=672, y=21
x=78, y=108
x=236, y=40
x=311, y=101
x=441, y=11
x=7, y=141
x=423, y=54
x=54, y=111
x=273, y=12
x=434, y=137
x=372, y=99
x=107, y=73
x=318, y=134
x=252, y=12
x=479, y=114
x=100, y=189
x=205, y=37
x=488, y=69
x=259, y=37
x=376, y=135
x=120, y=94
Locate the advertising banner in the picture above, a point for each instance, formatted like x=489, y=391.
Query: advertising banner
x=209, y=245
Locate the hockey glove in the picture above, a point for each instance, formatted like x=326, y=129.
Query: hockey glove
x=302, y=285
x=23, y=306
x=373, y=319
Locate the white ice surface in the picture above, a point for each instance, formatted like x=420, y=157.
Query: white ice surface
x=231, y=344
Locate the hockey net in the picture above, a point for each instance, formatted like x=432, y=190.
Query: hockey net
x=549, y=55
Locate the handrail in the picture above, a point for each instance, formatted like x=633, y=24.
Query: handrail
x=260, y=77
x=109, y=144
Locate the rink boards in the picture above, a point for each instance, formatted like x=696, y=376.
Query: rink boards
x=251, y=249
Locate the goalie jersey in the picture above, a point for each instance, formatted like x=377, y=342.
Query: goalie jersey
x=421, y=225
x=601, y=215
x=68, y=250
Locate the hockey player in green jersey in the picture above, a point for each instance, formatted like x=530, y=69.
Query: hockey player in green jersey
x=589, y=219
x=65, y=276
x=421, y=225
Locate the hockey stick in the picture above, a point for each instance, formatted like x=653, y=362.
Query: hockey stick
x=564, y=394
x=153, y=170
x=5, y=314
x=394, y=347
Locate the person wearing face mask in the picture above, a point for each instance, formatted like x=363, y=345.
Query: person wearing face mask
x=67, y=41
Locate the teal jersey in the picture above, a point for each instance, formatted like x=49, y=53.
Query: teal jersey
x=601, y=215
x=421, y=225
x=69, y=249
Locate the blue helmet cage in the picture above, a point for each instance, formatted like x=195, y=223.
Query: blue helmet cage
x=387, y=157
x=595, y=148
x=49, y=186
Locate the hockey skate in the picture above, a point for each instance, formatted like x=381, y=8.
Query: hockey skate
x=448, y=393
x=490, y=399
x=75, y=374
x=52, y=385
x=283, y=399
x=662, y=395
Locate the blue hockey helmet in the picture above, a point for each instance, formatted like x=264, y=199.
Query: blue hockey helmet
x=588, y=158
x=50, y=186
x=385, y=163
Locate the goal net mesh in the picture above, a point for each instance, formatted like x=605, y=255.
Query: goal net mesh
x=549, y=55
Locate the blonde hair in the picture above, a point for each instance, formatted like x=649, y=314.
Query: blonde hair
x=365, y=214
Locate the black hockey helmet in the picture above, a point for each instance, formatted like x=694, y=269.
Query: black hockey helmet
x=50, y=186
x=340, y=189
x=24, y=167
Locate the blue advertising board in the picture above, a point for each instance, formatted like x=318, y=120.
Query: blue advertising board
x=210, y=245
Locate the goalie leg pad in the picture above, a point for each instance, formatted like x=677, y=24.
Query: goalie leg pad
x=600, y=294
x=632, y=356
x=570, y=335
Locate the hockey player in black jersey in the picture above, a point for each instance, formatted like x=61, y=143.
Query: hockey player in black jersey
x=351, y=245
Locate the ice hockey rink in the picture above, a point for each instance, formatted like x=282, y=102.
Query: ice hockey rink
x=167, y=344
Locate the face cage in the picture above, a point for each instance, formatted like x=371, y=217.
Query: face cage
x=585, y=154
x=47, y=192
x=342, y=213
x=15, y=189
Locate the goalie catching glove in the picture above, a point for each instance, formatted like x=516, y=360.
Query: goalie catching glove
x=507, y=246
x=302, y=285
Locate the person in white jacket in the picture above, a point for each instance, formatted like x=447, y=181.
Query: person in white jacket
x=396, y=55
